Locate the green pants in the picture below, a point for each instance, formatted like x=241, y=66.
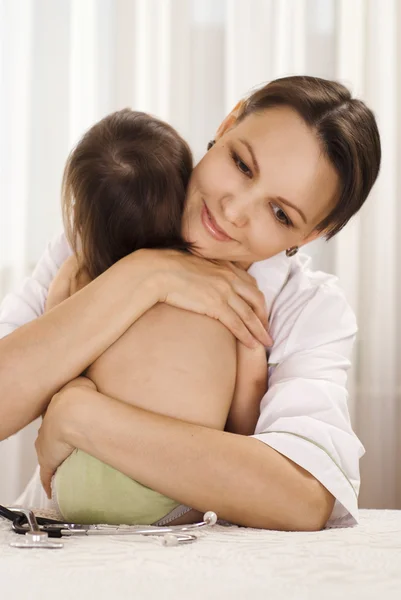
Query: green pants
x=89, y=491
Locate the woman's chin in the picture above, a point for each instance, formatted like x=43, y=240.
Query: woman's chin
x=205, y=246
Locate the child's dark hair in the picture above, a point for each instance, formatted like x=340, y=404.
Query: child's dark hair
x=124, y=189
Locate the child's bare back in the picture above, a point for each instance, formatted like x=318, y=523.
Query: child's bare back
x=176, y=363
x=172, y=362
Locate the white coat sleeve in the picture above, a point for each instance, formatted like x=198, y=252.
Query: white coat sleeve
x=304, y=414
x=28, y=302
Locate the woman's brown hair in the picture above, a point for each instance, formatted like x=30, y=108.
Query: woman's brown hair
x=124, y=189
x=346, y=128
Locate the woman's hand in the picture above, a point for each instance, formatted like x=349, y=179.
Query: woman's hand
x=219, y=290
x=51, y=447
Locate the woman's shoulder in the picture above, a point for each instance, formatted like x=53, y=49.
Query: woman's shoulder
x=282, y=279
x=56, y=253
x=305, y=280
x=59, y=248
x=28, y=302
x=305, y=304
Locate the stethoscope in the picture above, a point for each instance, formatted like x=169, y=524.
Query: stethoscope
x=39, y=531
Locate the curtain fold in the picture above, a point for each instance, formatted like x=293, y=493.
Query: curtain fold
x=64, y=65
x=378, y=397
x=15, y=114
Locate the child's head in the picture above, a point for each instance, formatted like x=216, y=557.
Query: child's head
x=124, y=188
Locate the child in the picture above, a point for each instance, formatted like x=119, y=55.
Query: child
x=124, y=189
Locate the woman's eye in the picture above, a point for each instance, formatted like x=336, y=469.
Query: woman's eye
x=280, y=216
x=243, y=167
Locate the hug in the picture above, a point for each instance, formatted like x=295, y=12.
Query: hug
x=183, y=353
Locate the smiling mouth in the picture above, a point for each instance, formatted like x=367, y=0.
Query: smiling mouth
x=211, y=226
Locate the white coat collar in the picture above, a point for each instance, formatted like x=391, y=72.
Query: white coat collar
x=271, y=276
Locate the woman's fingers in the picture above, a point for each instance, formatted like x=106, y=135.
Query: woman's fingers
x=254, y=298
x=250, y=319
x=234, y=323
x=51, y=449
x=217, y=290
x=46, y=480
x=45, y=473
x=245, y=285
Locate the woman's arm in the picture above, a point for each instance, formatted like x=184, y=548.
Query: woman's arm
x=37, y=359
x=69, y=280
x=60, y=287
x=241, y=479
x=250, y=387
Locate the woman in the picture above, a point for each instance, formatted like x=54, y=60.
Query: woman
x=295, y=162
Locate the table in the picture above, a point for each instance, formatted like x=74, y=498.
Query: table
x=226, y=562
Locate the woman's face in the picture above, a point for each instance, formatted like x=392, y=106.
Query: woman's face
x=263, y=187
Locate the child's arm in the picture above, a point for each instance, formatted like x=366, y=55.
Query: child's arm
x=250, y=387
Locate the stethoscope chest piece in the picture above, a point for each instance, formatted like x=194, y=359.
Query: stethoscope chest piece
x=36, y=540
x=34, y=537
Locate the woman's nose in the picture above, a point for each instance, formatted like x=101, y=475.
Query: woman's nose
x=236, y=211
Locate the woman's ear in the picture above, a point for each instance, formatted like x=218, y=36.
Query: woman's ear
x=230, y=120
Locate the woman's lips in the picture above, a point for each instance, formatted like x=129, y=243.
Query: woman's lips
x=211, y=226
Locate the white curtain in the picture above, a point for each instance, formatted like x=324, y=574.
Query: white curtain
x=66, y=64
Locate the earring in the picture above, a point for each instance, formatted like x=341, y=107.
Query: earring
x=292, y=251
x=210, y=144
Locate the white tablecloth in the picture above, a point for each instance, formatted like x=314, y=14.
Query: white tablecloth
x=226, y=562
